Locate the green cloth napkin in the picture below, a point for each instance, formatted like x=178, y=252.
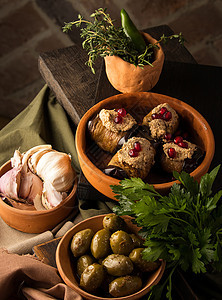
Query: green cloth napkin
x=43, y=122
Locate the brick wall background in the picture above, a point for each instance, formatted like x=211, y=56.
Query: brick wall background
x=29, y=27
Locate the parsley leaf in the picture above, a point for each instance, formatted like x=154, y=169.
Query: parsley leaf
x=184, y=228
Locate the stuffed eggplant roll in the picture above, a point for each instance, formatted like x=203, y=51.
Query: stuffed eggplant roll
x=162, y=120
x=179, y=155
x=135, y=158
x=109, y=126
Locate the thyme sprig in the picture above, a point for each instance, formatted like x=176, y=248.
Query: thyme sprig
x=102, y=38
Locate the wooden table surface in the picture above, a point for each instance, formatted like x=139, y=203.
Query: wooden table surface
x=77, y=89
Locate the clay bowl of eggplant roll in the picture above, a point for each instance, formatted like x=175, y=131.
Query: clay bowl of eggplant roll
x=36, y=200
x=145, y=135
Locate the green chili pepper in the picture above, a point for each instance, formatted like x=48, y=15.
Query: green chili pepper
x=132, y=32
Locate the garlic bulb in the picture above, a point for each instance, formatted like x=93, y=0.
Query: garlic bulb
x=55, y=170
x=35, y=157
x=39, y=171
x=55, y=167
x=31, y=151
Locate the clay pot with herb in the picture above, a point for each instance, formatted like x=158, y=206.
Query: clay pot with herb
x=133, y=59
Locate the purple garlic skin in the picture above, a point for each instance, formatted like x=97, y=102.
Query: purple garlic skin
x=10, y=183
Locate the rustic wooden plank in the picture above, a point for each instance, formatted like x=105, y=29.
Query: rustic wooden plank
x=77, y=88
x=73, y=83
x=46, y=251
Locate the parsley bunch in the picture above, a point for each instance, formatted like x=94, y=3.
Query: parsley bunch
x=183, y=228
x=102, y=38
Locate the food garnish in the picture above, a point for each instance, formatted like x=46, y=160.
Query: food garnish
x=184, y=228
x=102, y=38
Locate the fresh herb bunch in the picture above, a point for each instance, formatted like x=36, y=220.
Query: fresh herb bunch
x=183, y=228
x=102, y=38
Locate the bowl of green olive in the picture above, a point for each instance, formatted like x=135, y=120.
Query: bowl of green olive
x=101, y=258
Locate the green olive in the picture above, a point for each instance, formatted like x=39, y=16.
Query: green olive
x=124, y=286
x=118, y=265
x=137, y=241
x=113, y=222
x=80, y=243
x=92, y=277
x=100, y=246
x=142, y=264
x=83, y=262
x=121, y=242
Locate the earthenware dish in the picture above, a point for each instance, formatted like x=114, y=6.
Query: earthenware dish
x=66, y=264
x=36, y=221
x=127, y=78
x=92, y=160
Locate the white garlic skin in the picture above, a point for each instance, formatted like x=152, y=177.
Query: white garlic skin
x=55, y=167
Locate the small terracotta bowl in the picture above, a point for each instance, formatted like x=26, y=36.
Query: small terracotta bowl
x=66, y=264
x=33, y=221
x=92, y=159
x=127, y=78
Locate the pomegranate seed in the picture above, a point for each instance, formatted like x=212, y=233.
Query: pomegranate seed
x=178, y=139
x=168, y=136
x=172, y=152
x=183, y=144
x=163, y=110
x=137, y=146
x=121, y=112
x=133, y=153
x=118, y=119
x=156, y=116
x=167, y=116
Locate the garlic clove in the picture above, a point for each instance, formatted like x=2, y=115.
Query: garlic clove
x=30, y=186
x=55, y=167
x=36, y=188
x=50, y=197
x=10, y=183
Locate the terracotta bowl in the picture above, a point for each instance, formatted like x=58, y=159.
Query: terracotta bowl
x=127, y=78
x=33, y=221
x=93, y=160
x=66, y=262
